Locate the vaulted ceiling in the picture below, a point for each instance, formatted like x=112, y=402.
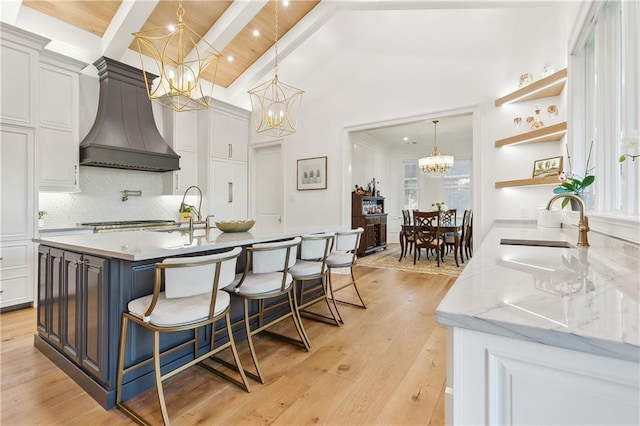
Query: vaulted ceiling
x=242, y=31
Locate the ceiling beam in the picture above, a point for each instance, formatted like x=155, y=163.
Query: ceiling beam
x=129, y=18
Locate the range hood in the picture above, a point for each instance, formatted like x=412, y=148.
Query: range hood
x=124, y=135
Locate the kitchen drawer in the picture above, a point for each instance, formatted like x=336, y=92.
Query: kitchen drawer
x=15, y=289
x=13, y=257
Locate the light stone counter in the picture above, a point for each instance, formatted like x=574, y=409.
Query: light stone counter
x=583, y=299
x=147, y=244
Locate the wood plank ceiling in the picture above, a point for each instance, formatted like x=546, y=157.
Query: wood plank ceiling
x=245, y=48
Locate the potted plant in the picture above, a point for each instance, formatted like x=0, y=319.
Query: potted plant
x=41, y=214
x=185, y=213
x=571, y=183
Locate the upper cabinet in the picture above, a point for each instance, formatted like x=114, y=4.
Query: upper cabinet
x=58, y=136
x=549, y=86
x=181, y=132
x=226, y=129
x=19, y=51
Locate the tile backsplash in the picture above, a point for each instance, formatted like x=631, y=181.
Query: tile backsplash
x=100, y=198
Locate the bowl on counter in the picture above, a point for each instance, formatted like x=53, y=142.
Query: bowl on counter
x=235, y=225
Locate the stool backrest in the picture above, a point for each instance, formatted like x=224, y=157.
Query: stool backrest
x=189, y=276
x=316, y=246
x=274, y=257
x=348, y=240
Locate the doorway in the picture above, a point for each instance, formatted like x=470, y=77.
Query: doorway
x=267, y=184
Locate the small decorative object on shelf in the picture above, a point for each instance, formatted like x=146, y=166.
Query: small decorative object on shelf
x=517, y=121
x=552, y=110
x=530, y=121
x=547, y=167
x=537, y=123
x=525, y=79
x=547, y=69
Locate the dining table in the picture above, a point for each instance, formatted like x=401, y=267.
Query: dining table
x=444, y=229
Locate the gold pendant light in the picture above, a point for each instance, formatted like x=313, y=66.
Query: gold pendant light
x=436, y=165
x=181, y=57
x=275, y=104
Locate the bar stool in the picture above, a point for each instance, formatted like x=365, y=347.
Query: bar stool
x=269, y=278
x=344, y=256
x=312, y=266
x=191, y=300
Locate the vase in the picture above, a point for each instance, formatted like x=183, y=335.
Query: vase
x=575, y=205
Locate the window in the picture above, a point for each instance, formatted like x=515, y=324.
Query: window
x=456, y=185
x=410, y=185
x=605, y=69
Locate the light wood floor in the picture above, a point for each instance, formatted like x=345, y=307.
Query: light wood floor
x=385, y=366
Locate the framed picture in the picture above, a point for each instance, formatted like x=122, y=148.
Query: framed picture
x=312, y=173
x=547, y=167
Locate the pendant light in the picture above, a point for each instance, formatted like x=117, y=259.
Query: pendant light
x=275, y=104
x=436, y=165
x=181, y=58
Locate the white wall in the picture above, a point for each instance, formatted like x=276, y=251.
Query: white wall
x=393, y=64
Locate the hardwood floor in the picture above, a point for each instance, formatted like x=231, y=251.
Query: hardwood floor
x=386, y=365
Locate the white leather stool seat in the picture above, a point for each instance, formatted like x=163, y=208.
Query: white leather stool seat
x=254, y=284
x=305, y=268
x=178, y=311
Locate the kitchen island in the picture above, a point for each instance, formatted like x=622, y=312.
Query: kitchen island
x=85, y=283
x=544, y=335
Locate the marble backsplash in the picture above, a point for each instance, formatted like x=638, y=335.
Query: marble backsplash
x=100, y=198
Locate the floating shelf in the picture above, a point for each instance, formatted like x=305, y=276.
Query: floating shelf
x=551, y=85
x=549, y=180
x=546, y=134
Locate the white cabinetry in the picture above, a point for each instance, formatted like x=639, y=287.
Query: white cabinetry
x=497, y=380
x=181, y=132
x=17, y=219
x=58, y=130
x=224, y=138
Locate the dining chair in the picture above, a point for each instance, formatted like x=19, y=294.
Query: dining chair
x=312, y=266
x=449, y=217
x=406, y=235
x=266, y=277
x=426, y=228
x=343, y=255
x=467, y=241
x=191, y=300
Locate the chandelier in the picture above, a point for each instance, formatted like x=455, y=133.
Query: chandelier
x=181, y=58
x=275, y=105
x=436, y=165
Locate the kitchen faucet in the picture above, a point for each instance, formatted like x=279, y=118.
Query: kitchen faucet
x=194, y=209
x=583, y=222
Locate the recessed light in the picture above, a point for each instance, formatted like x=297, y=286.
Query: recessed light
x=405, y=138
x=171, y=28
x=285, y=3
x=230, y=58
x=256, y=33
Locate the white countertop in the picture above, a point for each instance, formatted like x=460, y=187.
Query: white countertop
x=584, y=299
x=143, y=245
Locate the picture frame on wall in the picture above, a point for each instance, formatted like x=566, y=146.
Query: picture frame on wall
x=547, y=167
x=312, y=173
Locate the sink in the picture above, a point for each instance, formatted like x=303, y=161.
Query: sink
x=536, y=243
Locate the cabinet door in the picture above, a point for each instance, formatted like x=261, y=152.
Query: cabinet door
x=238, y=133
x=369, y=236
x=94, y=316
x=16, y=80
x=188, y=174
x=383, y=232
x=71, y=305
x=58, y=139
x=218, y=134
x=44, y=283
x=16, y=183
x=227, y=189
x=228, y=135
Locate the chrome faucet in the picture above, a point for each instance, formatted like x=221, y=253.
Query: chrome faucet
x=583, y=222
x=193, y=208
